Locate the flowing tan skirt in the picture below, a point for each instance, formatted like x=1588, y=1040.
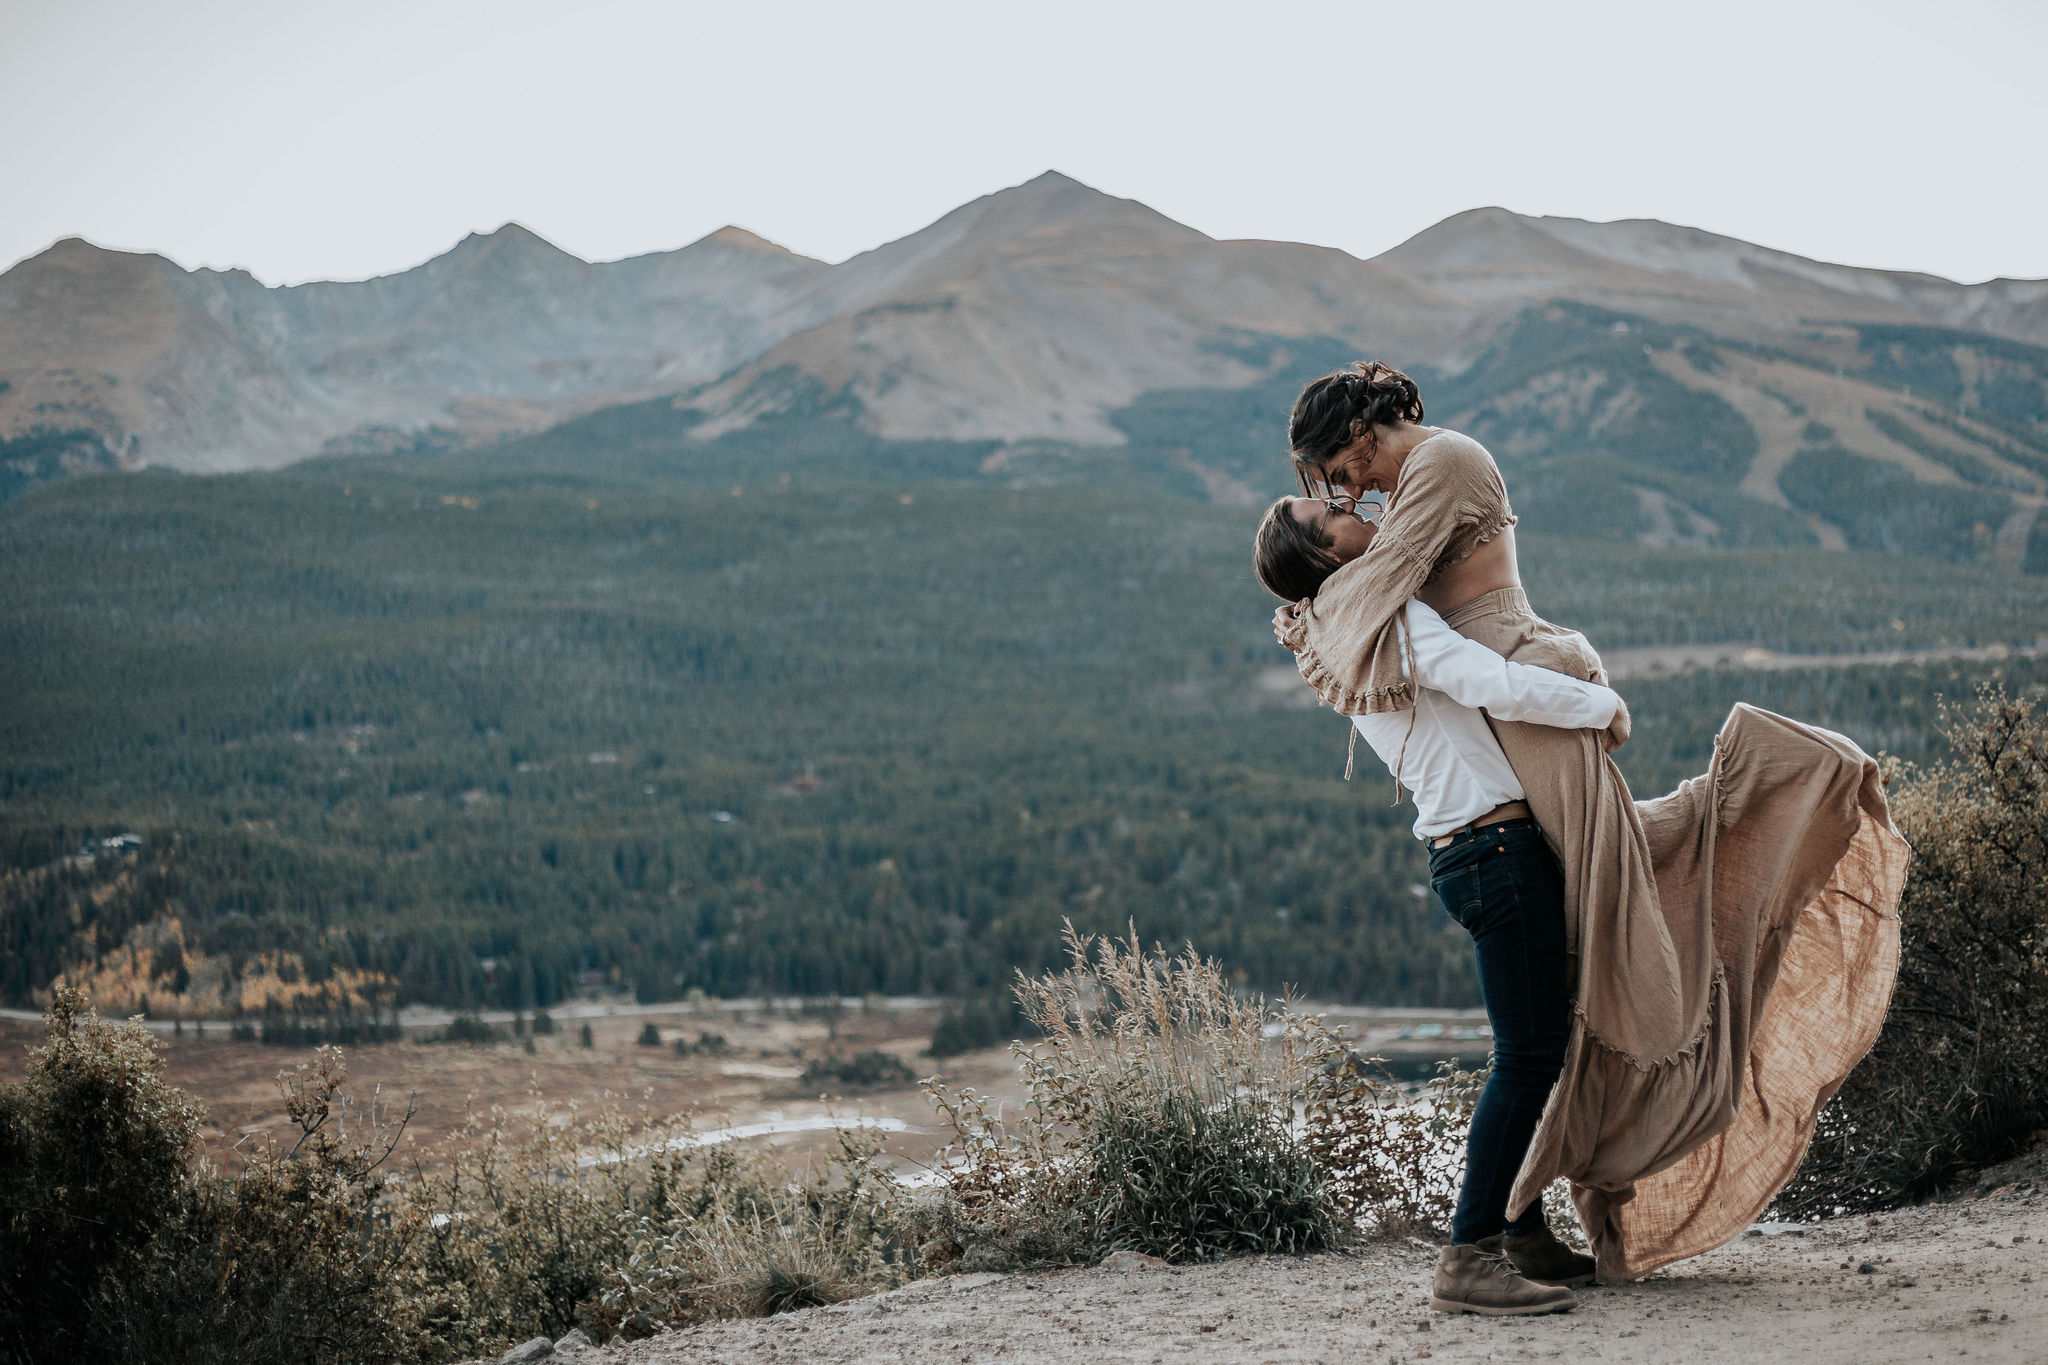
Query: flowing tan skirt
x=1734, y=946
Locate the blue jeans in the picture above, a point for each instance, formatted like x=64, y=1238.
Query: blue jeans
x=1503, y=885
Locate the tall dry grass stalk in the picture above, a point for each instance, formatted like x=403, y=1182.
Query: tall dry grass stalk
x=1161, y=1120
x=625, y=1226
x=514, y=1229
x=743, y=1239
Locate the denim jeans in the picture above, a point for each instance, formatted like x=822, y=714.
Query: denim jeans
x=1503, y=885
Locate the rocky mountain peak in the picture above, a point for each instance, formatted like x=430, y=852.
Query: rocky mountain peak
x=511, y=243
x=1054, y=203
x=740, y=239
x=1051, y=216
x=1489, y=239
x=68, y=248
x=75, y=256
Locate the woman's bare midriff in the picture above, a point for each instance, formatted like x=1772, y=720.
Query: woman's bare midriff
x=1487, y=569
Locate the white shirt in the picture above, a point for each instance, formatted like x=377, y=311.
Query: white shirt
x=1453, y=766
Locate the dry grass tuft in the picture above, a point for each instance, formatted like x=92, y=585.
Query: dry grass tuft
x=1161, y=1120
x=1394, y=1155
x=743, y=1240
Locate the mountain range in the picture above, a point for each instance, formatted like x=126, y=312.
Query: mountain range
x=1681, y=387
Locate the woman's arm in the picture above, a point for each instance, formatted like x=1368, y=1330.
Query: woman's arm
x=1450, y=498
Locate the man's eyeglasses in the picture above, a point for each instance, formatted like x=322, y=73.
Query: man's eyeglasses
x=1369, y=508
x=1344, y=505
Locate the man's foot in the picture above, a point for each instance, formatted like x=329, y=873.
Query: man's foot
x=1541, y=1257
x=1474, y=1279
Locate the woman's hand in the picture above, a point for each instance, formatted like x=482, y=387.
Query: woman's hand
x=1284, y=622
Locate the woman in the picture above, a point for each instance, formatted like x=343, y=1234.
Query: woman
x=1732, y=946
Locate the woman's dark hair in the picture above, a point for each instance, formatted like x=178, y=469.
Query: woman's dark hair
x=1337, y=409
x=1291, y=559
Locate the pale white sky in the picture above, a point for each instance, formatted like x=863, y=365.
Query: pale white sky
x=308, y=139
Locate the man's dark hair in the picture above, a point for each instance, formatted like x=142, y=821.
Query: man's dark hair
x=1291, y=559
x=1337, y=409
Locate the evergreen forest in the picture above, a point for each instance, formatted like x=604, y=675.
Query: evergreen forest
x=801, y=713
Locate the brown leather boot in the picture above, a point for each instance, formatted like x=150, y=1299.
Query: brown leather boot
x=1541, y=1257
x=1472, y=1279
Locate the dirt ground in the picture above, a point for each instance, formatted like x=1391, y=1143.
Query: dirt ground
x=1959, y=1279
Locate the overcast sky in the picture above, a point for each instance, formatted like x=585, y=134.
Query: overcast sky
x=305, y=140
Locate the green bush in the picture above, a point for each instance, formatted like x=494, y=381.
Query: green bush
x=871, y=1068
x=468, y=1028
x=94, y=1146
x=707, y=1045
x=650, y=1035
x=295, y=1259
x=2035, y=561
x=118, y=1247
x=1958, y=1080
x=971, y=1025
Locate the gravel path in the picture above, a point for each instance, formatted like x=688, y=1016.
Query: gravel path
x=1941, y=1281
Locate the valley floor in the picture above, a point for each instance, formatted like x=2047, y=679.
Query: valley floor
x=1947, y=1280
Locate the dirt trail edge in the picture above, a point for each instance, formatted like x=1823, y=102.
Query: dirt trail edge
x=1929, y=1283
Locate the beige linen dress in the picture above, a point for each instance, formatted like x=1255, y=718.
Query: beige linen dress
x=1734, y=943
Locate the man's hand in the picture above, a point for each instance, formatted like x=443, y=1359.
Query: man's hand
x=1617, y=731
x=1284, y=622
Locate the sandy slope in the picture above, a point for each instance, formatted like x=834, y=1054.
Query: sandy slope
x=1967, y=1278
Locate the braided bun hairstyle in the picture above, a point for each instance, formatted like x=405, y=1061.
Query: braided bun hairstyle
x=1337, y=409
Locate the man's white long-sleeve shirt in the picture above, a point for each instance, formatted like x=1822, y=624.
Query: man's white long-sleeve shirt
x=1452, y=765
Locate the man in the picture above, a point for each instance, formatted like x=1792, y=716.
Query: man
x=1496, y=876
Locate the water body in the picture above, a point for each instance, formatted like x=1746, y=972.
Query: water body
x=816, y=1123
